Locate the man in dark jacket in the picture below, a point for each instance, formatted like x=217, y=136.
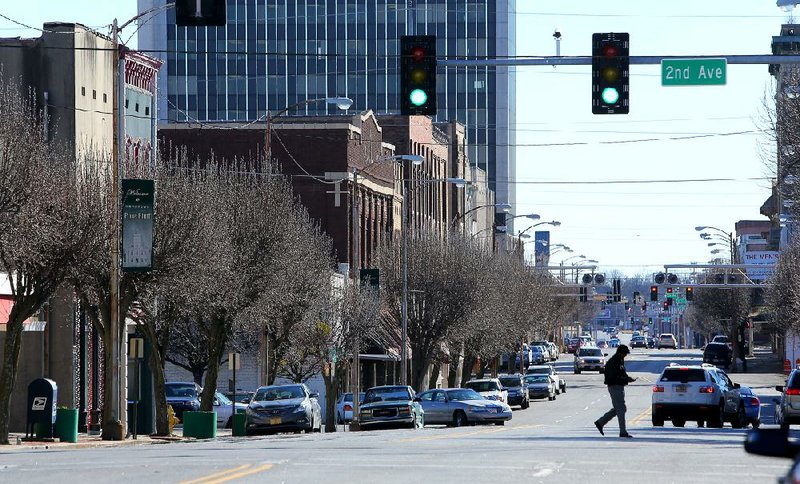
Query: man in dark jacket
x=616, y=378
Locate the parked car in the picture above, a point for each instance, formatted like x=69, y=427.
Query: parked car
x=517, y=394
x=702, y=393
x=183, y=397
x=613, y=342
x=589, y=358
x=787, y=408
x=667, y=340
x=489, y=388
x=461, y=406
x=752, y=406
x=539, y=355
x=242, y=396
x=283, y=407
x=638, y=342
x=540, y=386
x=651, y=342
x=224, y=408
x=548, y=355
x=561, y=384
x=391, y=405
x=573, y=344
x=601, y=343
x=718, y=354
x=344, y=407
x=554, y=352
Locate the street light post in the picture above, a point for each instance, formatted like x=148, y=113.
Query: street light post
x=728, y=236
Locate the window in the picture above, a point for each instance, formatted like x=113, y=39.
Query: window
x=426, y=397
x=137, y=107
x=147, y=110
x=438, y=396
x=94, y=94
x=105, y=98
x=684, y=375
x=83, y=91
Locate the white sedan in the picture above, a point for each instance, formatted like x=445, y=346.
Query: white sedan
x=224, y=408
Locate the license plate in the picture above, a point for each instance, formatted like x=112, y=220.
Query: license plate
x=275, y=421
x=681, y=388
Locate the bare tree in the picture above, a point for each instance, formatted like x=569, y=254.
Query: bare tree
x=726, y=307
x=784, y=295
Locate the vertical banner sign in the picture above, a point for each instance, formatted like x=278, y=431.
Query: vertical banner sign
x=542, y=248
x=138, y=200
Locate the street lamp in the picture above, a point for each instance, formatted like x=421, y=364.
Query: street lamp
x=503, y=207
x=459, y=183
x=728, y=238
x=554, y=223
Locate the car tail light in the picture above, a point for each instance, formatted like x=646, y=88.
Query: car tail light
x=658, y=389
x=348, y=408
x=755, y=401
x=706, y=389
x=793, y=391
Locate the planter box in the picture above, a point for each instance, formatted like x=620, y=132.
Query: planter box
x=200, y=425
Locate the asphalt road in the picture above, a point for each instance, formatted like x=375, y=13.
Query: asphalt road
x=550, y=442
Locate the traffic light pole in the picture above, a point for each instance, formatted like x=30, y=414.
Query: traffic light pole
x=634, y=59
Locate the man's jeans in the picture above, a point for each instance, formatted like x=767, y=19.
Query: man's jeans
x=617, y=393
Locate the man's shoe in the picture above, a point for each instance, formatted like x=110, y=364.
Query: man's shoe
x=625, y=436
x=599, y=427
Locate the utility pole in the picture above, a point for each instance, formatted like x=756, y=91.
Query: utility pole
x=404, y=306
x=355, y=383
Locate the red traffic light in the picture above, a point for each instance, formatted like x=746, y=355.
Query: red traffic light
x=666, y=305
x=610, y=50
x=418, y=53
x=669, y=290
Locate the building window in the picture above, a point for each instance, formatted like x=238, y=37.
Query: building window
x=126, y=104
x=94, y=94
x=137, y=107
x=147, y=110
x=83, y=91
x=105, y=98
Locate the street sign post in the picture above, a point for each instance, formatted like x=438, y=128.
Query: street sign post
x=694, y=72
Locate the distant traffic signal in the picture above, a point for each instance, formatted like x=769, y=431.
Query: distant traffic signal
x=689, y=293
x=669, y=290
x=665, y=305
x=617, y=284
x=418, y=75
x=584, y=293
x=610, y=62
x=653, y=293
x=191, y=13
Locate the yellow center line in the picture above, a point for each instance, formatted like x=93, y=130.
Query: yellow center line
x=218, y=474
x=638, y=419
x=238, y=475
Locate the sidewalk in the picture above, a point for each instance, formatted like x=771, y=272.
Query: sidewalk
x=763, y=361
x=93, y=441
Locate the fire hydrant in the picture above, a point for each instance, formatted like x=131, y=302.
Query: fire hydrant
x=171, y=418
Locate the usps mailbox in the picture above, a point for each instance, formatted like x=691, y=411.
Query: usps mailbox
x=42, y=400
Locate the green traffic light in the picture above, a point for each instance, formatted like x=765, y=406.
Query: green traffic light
x=418, y=97
x=610, y=95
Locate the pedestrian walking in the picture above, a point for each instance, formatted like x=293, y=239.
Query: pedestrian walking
x=616, y=378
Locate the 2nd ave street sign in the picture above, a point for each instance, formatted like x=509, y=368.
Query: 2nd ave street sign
x=694, y=72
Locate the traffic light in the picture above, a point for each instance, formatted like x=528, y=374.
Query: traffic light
x=610, y=73
x=617, y=283
x=584, y=294
x=669, y=301
x=418, y=75
x=669, y=290
x=689, y=293
x=665, y=305
x=191, y=13
x=653, y=293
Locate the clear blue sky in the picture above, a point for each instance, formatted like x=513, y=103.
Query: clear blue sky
x=633, y=228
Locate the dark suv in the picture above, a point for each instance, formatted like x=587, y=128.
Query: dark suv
x=718, y=354
x=517, y=390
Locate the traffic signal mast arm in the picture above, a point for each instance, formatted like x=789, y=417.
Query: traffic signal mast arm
x=638, y=60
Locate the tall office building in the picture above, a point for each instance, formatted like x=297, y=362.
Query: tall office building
x=273, y=54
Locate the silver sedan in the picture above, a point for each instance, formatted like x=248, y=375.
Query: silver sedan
x=461, y=406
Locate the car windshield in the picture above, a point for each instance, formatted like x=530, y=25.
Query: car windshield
x=684, y=375
x=539, y=371
x=223, y=400
x=536, y=379
x=463, y=394
x=483, y=386
x=178, y=391
x=270, y=394
x=590, y=352
x=511, y=382
x=348, y=397
x=388, y=394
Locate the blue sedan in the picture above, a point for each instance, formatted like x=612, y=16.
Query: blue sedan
x=752, y=406
x=462, y=406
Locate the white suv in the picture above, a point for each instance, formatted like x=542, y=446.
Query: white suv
x=701, y=393
x=667, y=340
x=490, y=388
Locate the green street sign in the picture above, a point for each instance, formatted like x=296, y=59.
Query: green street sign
x=681, y=300
x=694, y=72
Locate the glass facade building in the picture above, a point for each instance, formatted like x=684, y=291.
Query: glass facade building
x=276, y=53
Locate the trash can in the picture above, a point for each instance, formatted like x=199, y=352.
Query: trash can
x=67, y=424
x=239, y=429
x=43, y=430
x=200, y=425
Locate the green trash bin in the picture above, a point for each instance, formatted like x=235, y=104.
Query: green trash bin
x=200, y=425
x=43, y=430
x=67, y=424
x=239, y=421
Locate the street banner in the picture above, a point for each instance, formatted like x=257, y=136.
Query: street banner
x=542, y=248
x=766, y=259
x=138, y=201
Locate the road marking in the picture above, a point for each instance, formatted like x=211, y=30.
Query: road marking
x=230, y=474
x=638, y=419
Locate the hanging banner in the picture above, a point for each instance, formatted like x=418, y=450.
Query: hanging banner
x=542, y=248
x=138, y=200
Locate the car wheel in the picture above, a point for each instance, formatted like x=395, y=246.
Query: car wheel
x=602, y=371
x=658, y=421
x=577, y=371
x=229, y=423
x=700, y=424
x=564, y=389
x=500, y=423
x=526, y=404
x=740, y=419
x=717, y=420
x=460, y=419
x=756, y=423
x=678, y=423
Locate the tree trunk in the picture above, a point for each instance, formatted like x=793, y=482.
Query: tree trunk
x=419, y=369
x=216, y=347
x=329, y=376
x=159, y=389
x=436, y=368
x=8, y=377
x=197, y=374
x=466, y=373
